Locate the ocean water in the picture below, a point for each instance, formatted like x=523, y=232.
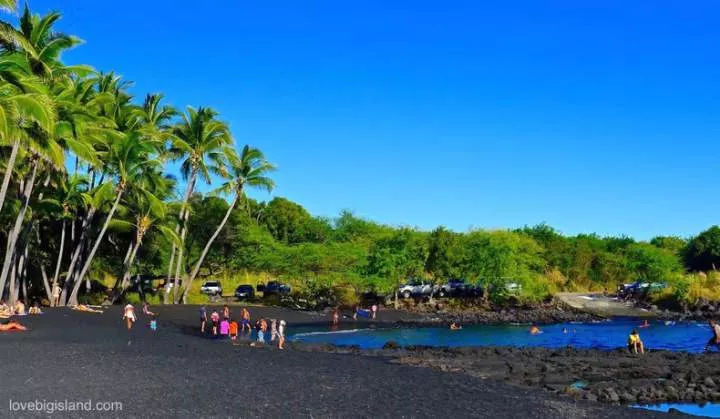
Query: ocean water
x=609, y=334
x=711, y=410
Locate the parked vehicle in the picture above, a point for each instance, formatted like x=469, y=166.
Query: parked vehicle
x=415, y=287
x=512, y=287
x=244, y=292
x=211, y=288
x=274, y=287
x=453, y=288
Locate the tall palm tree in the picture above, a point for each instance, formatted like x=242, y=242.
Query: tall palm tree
x=199, y=141
x=249, y=169
x=8, y=5
x=131, y=158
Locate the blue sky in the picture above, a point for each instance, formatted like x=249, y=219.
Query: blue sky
x=600, y=117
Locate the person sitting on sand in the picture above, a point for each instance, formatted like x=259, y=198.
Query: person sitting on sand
x=245, y=320
x=35, y=309
x=83, y=307
x=146, y=310
x=12, y=325
x=281, y=335
x=129, y=315
x=19, y=308
x=534, y=329
x=715, y=339
x=635, y=345
x=233, y=329
x=4, y=309
x=215, y=320
x=203, y=319
x=455, y=326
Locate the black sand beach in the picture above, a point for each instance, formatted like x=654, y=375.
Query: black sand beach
x=76, y=356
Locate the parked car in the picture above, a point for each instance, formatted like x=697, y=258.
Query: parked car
x=454, y=288
x=244, y=292
x=512, y=287
x=211, y=288
x=415, y=287
x=275, y=287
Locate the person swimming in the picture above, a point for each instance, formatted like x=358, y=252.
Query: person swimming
x=534, y=329
x=635, y=344
x=645, y=324
x=455, y=326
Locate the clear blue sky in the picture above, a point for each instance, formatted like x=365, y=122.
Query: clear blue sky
x=594, y=118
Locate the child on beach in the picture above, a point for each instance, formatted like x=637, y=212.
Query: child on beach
x=129, y=316
x=203, y=319
x=281, y=335
x=153, y=324
x=224, y=327
x=19, y=308
x=215, y=320
x=226, y=313
x=146, y=310
x=233, y=330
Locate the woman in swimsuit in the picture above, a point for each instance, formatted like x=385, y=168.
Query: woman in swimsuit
x=129, y=316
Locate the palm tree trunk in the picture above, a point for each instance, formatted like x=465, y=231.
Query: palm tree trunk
x=8, y=172
x=59, y=259
x=184, y=216
x=98, y=240
x=210, y=242
x=166, y=291
x=46, y=284
x=15, y=233
x=128, y=268
x=85, y=228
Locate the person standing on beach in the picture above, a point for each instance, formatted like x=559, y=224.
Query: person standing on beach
x=261, y=329
x=715, y=339
x=215, y=320
x=226, y=313
x=129, y=316
x=635, y=345
x=203, y=319
x=245, y=320
x=336, y=316
x=56, y=294
x=374, y=309
x=281, y=335
x=273, y=330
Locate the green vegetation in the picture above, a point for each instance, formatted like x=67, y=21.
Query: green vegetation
x=86, y=203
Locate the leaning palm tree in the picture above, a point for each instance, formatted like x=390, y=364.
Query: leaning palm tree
x=8, y=5
x=249, y=169
x=198, y=140
x=131, y=158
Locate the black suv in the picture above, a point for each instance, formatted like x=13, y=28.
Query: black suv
x=244, y=292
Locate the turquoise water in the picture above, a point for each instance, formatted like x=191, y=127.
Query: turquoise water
x=611, y=334
x=710, y=409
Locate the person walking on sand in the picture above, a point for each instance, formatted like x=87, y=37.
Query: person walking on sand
x=203, y=319
x=715, y=339
x=146, y=310
x=129, y=316
x=635, y=345
x=281, y=335
x=245, y=320
x=336, y=316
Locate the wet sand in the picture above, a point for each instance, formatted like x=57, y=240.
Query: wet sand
x=175, y=372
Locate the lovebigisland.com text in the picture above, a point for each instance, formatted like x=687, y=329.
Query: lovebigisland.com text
x=54, y=406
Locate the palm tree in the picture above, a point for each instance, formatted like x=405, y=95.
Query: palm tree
x=130, y=158
x=198, y=140
x=249, y=169
x=8, y=5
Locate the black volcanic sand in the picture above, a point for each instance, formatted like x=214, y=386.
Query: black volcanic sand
x=174, y=372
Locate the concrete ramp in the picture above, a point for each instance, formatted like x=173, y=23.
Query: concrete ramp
x=600, y=305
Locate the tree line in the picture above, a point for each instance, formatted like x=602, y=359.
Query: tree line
x=84, y=164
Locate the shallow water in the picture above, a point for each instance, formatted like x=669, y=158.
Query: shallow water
x=711, y=410
x=611, y=334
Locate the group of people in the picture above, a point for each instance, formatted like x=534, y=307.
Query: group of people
x=130, y=317
x=228, y=327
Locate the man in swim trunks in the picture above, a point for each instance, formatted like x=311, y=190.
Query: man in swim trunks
x=245, y=321
x=715, y=339
x=203, y=319
x=635, y=345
